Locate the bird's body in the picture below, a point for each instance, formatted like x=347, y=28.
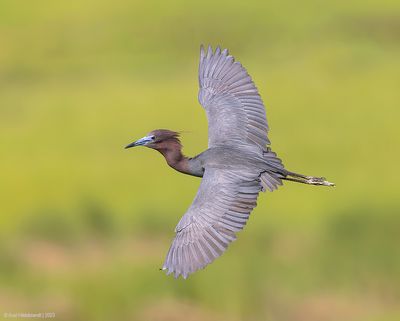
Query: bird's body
x=230, y=157
x=237, y=165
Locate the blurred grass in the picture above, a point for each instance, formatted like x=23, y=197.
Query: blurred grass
x=86, y=224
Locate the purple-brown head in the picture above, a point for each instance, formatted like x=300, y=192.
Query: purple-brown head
x=159, y=139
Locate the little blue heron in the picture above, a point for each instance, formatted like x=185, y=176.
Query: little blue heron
x=237, y=165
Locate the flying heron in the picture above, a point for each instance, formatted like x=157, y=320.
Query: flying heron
x=237, y=165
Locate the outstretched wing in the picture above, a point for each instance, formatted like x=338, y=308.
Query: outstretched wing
x=235, y=111
x=220, y=209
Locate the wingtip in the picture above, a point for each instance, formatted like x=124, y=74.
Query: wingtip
x=208, y=50
x=175, y=273
x=201, y=48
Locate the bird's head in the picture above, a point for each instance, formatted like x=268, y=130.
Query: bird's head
x=158, y=139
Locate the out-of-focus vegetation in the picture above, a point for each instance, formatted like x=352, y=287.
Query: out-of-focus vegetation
x=85, y=224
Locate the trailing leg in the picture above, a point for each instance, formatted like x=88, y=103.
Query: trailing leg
x=311, y=180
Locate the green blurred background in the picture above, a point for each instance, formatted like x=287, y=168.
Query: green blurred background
x=85, y=224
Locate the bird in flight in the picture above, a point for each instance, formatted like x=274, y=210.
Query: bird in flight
x=235, y=168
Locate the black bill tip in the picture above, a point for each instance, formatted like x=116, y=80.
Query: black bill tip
x=130, y=145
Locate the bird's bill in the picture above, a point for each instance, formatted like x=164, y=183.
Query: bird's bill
x=140, y=142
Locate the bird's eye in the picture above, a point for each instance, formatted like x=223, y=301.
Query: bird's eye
x=153, y=137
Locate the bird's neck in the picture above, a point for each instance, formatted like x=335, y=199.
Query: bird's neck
x=174, y=157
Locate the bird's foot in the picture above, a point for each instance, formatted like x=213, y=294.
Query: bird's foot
x=318, y=181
